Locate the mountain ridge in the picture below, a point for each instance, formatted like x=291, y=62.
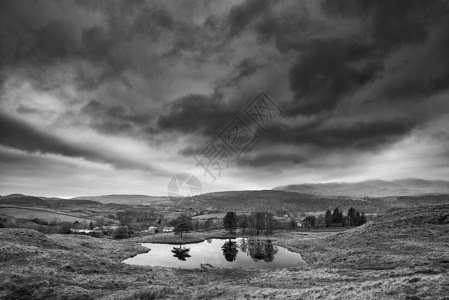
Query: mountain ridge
x=371, y=188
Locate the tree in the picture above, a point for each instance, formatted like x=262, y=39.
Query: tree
x=262, y=221
x=208, y=223
x=121, y=232
x=243, y=222
x=99, y=223
x=362, y=219
x=65, y=227
x=336, y=216
x=351, y=216
x=292, y=224
x=341, y=218
x=183, y=225
x=309, y=221
x=328, y=218
x=197, y=225
x=230, y=222
x=357, y=219
x=91, y=225
x=1, y=225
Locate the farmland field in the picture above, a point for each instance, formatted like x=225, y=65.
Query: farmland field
x=29, y=213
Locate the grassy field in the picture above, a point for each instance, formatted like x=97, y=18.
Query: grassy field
x=31, y=213
x=208, y=216
x=403, y=255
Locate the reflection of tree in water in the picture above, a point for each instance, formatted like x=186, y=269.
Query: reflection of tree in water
x=243, y=245
x=230, y=250
x=181, y=253
x=259, y=249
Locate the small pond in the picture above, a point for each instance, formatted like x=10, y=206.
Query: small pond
x=246, y=253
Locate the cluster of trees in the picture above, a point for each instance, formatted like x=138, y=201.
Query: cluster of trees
x=256, y=223
x=335, y=219
x=136, y=216
x=263, y=222
x=39, y=225
x=137, y=219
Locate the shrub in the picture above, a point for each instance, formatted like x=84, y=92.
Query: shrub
x=121, y=232
x=40, y=221
x=65, y=227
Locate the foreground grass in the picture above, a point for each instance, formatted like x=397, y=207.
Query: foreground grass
x=403, y=256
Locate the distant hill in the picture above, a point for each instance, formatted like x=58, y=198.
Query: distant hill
x=24, y=200
x=372, y=188
x=272, y=200
x=125, y=199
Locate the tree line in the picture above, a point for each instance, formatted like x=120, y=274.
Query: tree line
x=336, y=219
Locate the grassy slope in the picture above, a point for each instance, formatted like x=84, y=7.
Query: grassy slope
x=38, y=266
x=49, y=215
x=273, y=200
x=405, y=254
x=374, y=188
x=413, y=237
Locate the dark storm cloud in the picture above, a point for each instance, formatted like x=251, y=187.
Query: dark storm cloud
x=196, y=114
x=328, y=71
x=356, y=135
x=258, y=160
x=114, y=118
x=360, y=72
x=43, y=33
x=392, y=22
x=244, y=68
x=19, y=135
x=242, y=15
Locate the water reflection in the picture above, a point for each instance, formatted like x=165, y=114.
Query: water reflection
x=259, y=249
x=181, y=253
x=229, y=253
x=230, y=250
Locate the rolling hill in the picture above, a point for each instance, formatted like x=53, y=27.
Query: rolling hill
x=272, y=201
x=125, y=199
x=24, y=200
x=372, y=188
x=32, y=201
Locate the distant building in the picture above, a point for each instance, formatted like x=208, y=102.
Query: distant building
x=168, y=229
x=95, y=233
x=112, y=227
x=152, y=229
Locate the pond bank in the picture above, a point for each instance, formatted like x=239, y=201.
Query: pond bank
x=193, y=237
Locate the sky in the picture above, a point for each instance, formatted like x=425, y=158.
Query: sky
x=117, y=97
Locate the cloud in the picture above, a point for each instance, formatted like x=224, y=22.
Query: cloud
x=327, y=72
x=355, y=79
x=196, y=114
x=19, y=135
